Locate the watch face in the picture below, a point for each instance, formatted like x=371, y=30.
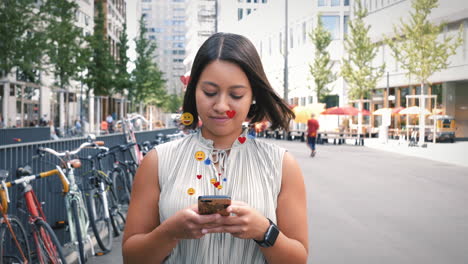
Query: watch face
x=271, y=235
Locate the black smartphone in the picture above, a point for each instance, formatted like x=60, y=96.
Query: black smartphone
x=212, y=204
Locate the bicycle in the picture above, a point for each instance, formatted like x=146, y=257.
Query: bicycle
x=13, y=249
x=77, y=215
x=48, y=247
x=102, y=196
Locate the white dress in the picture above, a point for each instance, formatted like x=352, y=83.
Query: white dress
x=250, y=173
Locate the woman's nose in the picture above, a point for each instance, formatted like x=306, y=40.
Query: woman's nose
x=221, y=104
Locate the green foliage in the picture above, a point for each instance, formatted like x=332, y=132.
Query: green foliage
x=22, y=39
x=357, y=68
x=416, y=45
x=147, y=78
x=122, y=78
x=321, y=70
x=173, y=103
x=65, y=41
x=101, y=66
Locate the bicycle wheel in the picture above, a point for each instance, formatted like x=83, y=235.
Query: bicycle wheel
x=79, y=235
x=120, y=186
x=117, y=217
x=48, y=247
x=100, y=224
x=9, y=251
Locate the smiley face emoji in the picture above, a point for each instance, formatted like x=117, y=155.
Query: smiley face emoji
x=199, y=155
x=191, y=191
x=186, y=119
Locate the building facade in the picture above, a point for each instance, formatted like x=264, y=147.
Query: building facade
x=166, y=25
x=201, y=24
x=450, y=86
x=25, y=104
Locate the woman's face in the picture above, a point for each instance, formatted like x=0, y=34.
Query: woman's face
x=223, y=89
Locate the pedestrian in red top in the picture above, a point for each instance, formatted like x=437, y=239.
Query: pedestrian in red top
x=312, y=127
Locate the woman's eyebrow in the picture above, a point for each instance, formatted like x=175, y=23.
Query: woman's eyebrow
x=217, y=86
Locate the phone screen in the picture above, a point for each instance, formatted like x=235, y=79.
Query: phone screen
x=212, y=204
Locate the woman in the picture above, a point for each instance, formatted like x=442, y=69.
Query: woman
x=227, y=87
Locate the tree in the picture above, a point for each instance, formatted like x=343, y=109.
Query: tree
x=23, y=39
x=147, y=78
x=416, y=46
x=101, y=64
x=173, y=103
x=65, y=45
x=321, y=70
x=123, y=77
x=357, y=67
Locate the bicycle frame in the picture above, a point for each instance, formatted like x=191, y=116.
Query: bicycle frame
x=83, y=219
x=75, y=194
x=33, y=205
x=130, y=137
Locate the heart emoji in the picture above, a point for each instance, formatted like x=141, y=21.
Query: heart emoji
x=185, y=79
x=198, y=176
x=216, y=184
x=231, y=113
x=242, y=139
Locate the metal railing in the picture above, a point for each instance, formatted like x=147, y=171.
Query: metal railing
x=49, y=190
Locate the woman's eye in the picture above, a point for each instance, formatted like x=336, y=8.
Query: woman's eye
x=237, y=97
x=209, y=94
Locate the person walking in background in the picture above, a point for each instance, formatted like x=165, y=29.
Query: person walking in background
x=267, y=219
x=312, y=128
x=104, y=127
x=110, y=123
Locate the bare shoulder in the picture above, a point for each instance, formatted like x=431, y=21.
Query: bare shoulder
x=291, y=170
x=144, y=198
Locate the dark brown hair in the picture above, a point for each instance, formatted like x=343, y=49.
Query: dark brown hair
x=239, y=50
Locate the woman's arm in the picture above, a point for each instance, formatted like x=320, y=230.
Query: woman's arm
x=291, y=246
x=146, y=240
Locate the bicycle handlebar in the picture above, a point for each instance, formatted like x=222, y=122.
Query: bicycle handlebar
x=5, y=185
x=95, y=144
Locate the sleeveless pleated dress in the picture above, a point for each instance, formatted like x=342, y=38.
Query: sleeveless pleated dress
x=250, y=171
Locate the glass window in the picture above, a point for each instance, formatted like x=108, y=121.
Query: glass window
x=291, y=38
x=255, y=1
x=249, y=1
x=335, y=2
x=239, y=13
x=332, y=24
x=304, y=32
x=264, y=1
x=346, y=2
x=249, y=11
x=345, y=24
x=322, y=3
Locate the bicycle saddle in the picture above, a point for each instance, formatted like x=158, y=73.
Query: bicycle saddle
x=24, y=171
x=4, y=175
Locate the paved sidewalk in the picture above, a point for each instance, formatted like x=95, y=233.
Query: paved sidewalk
x=453, y=153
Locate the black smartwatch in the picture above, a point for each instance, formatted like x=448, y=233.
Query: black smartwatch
x=270, y=236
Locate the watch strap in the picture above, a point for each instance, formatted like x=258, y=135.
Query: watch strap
x=270, y=236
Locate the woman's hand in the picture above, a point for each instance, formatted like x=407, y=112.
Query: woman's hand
x=246, y=223
x=188, y=224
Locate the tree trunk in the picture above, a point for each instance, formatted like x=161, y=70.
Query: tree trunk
x=360, y=119
x=422, y=117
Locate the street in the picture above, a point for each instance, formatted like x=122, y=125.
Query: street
x=371, y=206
